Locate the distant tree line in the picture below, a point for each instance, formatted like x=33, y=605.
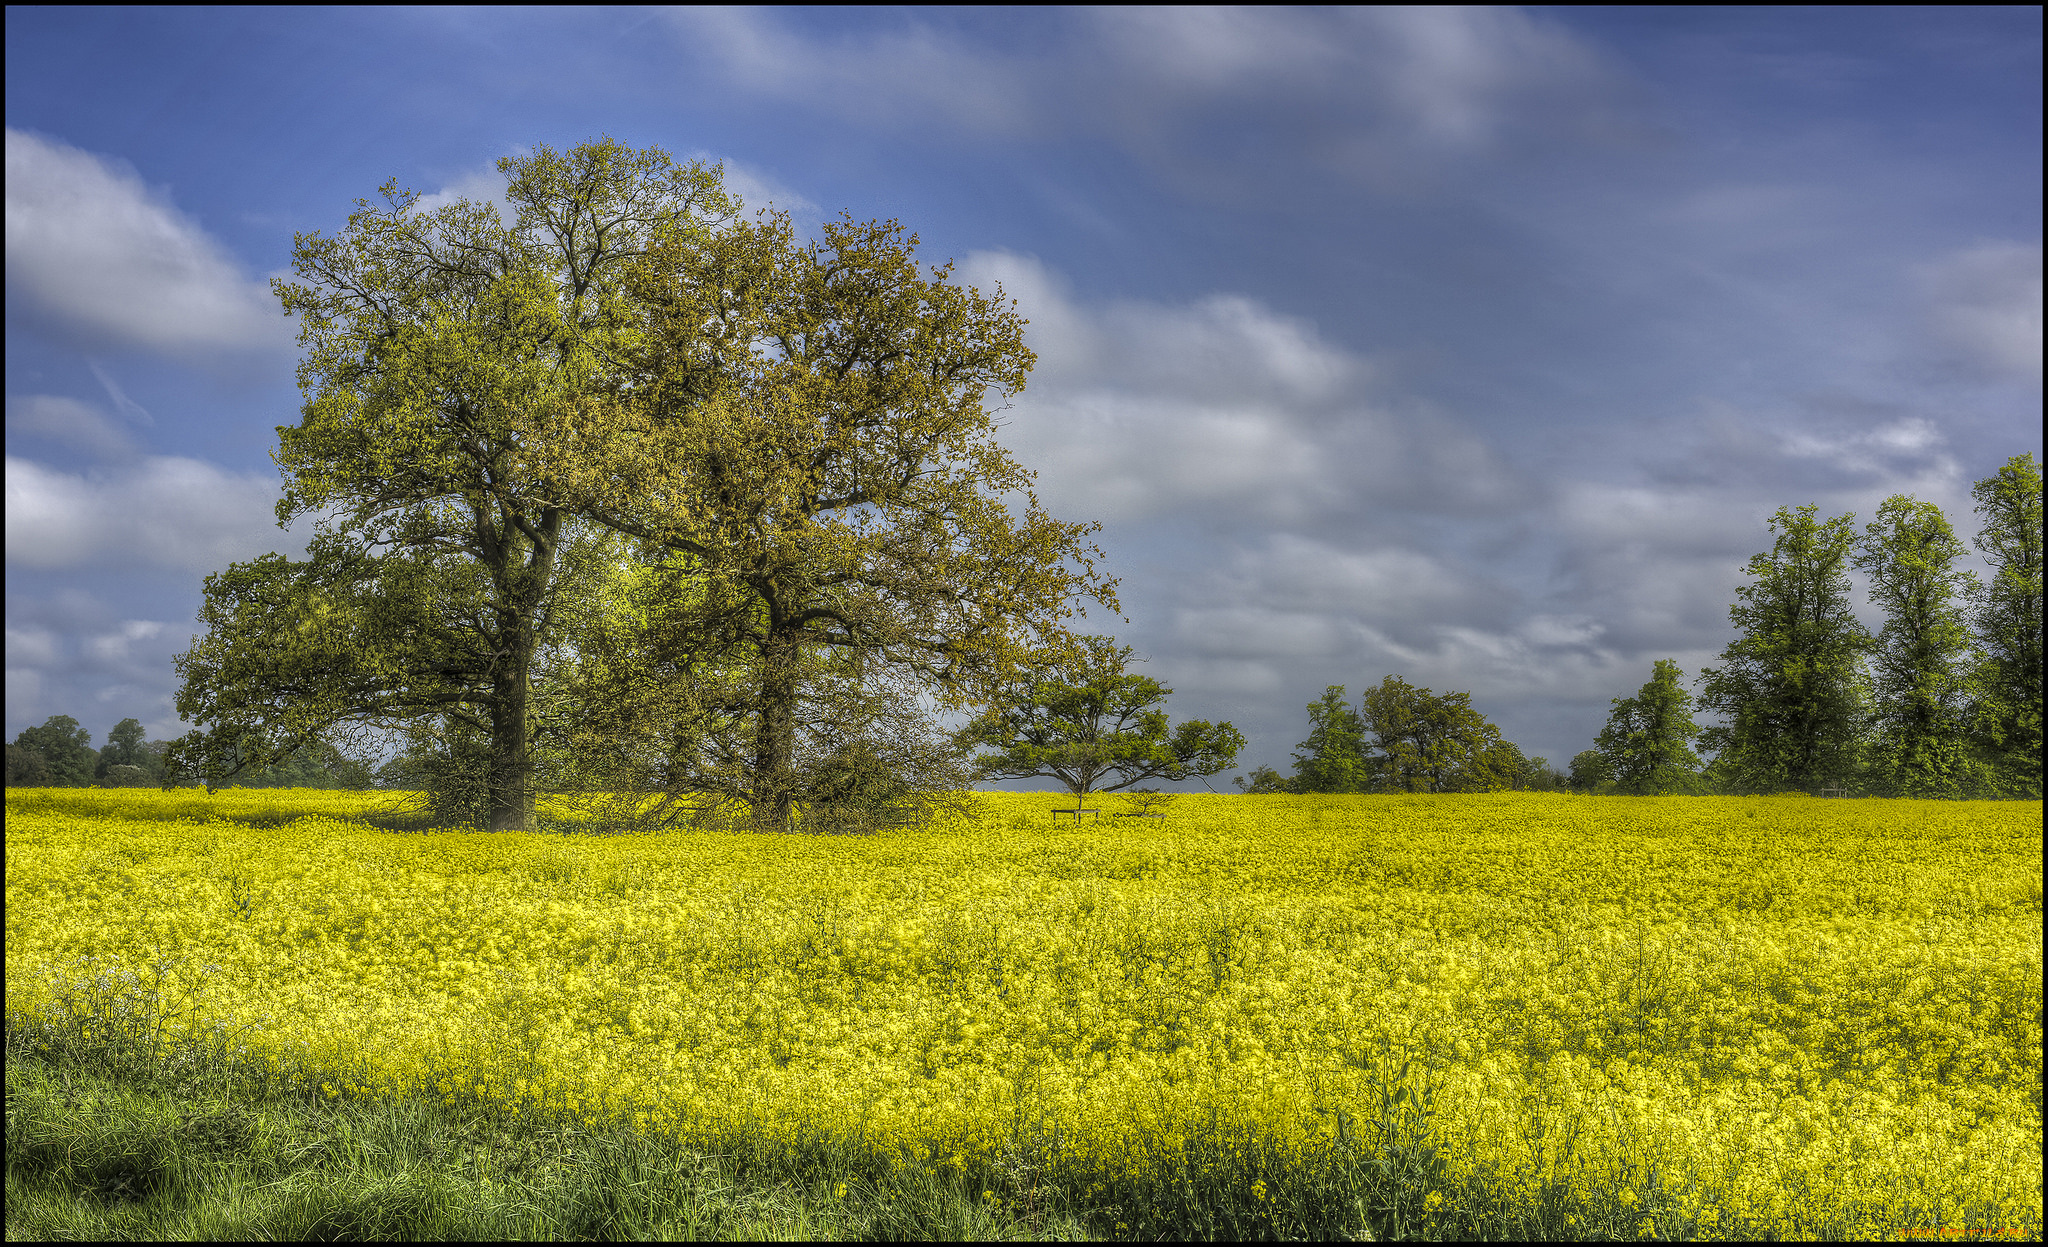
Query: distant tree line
x=59, y=754
x=1943, y=701
x=1403, y=739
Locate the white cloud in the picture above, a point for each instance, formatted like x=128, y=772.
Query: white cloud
x=117, y=648
x=1449, y=76
x=1662, y=517
x=1223, y=406
x=54, y=418
x=1364, y=88
x=1291, y=571
x=758, y=188
x=1911, y=452
x=76, y=660
x=916, y=72
x=31, y=647
x=157, y=512
x=97, y=251
x=122, y=403
x=1985, y=305
x=485, y=185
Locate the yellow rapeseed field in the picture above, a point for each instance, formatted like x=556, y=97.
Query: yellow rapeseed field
x=1760, y=1017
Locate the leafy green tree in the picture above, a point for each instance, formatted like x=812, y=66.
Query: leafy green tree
x=1791, y=683
x=124, y=747
x=27, y=768
x=59, y=753
x=440, y=349
x=1533, y=774
x=800, y=434
x=1924, y=659
x=1647, y=743
x=2007, y=614
x=1592, y=772
x=1540, y=776
x=1332, y=759
x=1425, y=742
x=1086, y=720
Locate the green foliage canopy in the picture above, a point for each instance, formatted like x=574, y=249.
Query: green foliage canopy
x=1428, y=742
x=439, y=345
x=1922, y=662
x=59, y=753
x=1333, y=758
x=799, y=434
x=1791, y=683
x=2007, y=617
x=1646, y=746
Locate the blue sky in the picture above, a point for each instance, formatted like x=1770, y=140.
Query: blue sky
x=1470, y=345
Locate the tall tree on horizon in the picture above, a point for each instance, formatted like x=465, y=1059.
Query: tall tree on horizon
x=126, y=746
x=1647, y=743
x=2007, y=617
x=1428, y=742
x=1332, y=759
x=1791, y=683
x=1923, y=659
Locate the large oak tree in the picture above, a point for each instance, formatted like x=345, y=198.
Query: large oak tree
x=438, y=346
x=802, y=435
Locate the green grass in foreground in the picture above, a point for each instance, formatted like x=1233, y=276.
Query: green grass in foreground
x=100, y=1149
x=110, y=1138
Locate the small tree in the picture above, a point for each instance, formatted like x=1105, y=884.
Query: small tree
x=124, y=747
x=1086, y=720
x=1265, y=781
x=1543, y=777
x=1647, y=743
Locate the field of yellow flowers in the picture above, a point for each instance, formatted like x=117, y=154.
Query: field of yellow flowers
x=1718, y=1017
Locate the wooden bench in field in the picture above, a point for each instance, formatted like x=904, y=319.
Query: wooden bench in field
x=1078, y=813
